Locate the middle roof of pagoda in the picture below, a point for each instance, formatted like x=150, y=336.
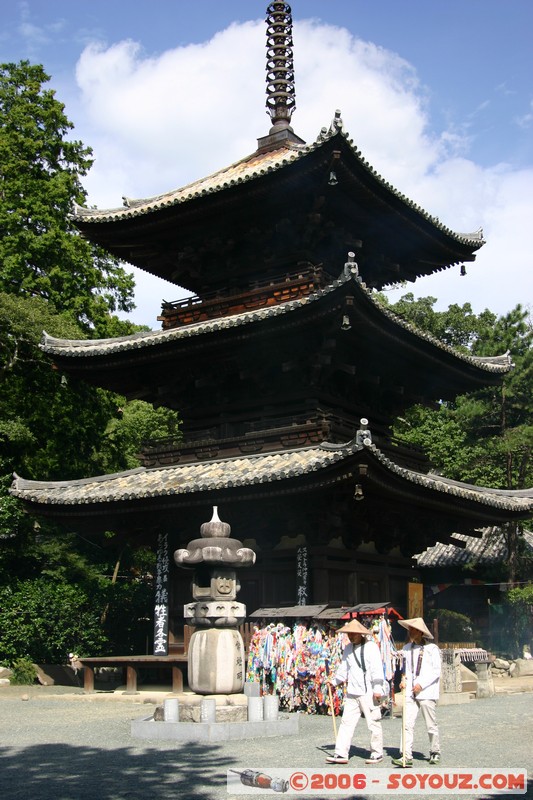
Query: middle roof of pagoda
x=426, y=365
x=327, y=182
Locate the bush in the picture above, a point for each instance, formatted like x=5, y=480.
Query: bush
x=44, y=620
x=455, y=627
x=521, y=617
x=24, y=671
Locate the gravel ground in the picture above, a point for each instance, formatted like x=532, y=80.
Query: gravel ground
x=66, y=746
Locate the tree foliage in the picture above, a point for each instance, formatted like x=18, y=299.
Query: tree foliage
x=59, y=592
x=135, y=423
x=455, y=627
x=484, y=437
x=520, y=601
x=53, y=428
x=457, y=327
x=50, y=428
x=45, y=620
x=41, y=253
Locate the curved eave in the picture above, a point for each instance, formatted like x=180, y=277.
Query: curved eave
x=399, y=333
x=475, y=501
x=252, y=167
x=258, y=166
x=489, y=548
x=270, y=474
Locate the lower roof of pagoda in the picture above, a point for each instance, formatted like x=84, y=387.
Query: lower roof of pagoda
x=366, y=338
x=317, y=200
x=358, y=463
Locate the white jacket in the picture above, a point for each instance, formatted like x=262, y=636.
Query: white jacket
x=428, y=673
x=350, y=669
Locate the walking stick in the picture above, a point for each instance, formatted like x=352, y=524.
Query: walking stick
x=404, y=690
x=331, y=705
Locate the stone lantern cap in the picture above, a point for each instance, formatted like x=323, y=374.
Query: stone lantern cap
x=215, y=547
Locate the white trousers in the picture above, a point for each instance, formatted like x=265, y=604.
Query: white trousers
x=354, y=707
x=427, y=707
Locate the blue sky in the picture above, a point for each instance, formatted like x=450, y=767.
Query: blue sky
x=438, y=95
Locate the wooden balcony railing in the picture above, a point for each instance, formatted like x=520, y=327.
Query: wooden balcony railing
x=272, y=291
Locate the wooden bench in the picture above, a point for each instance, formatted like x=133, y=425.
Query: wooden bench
x=132, y=665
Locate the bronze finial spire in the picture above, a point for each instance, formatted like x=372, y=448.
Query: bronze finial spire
x=281, y=98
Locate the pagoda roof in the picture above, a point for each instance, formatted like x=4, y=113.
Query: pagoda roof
x=291, y=471
x=254, y=167
x=106, y=361
x=147, y=231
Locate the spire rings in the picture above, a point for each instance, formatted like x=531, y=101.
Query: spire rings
x=281, y=99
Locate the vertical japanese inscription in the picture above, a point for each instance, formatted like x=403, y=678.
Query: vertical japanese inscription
x=302, y=576
x=161, y=597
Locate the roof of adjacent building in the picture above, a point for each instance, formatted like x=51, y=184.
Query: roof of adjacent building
x=489, y=548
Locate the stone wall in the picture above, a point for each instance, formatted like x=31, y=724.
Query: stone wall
x=509, y=668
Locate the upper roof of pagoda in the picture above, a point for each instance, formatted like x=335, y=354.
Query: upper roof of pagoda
x=326, y=193
x=286, y=204
x=263, y=162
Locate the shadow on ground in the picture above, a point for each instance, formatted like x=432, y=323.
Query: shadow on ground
x=67, y=772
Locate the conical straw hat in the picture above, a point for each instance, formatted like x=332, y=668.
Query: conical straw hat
x=354, y=627
x=418, y=624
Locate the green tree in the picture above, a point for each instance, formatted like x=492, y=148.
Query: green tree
x=46, y=620
x=50, y=428
x=484, y=437
x=136, y=423
x=455, y=627
x=457, y=327
x=520, y=601
x=41, y=252
x=53, y=428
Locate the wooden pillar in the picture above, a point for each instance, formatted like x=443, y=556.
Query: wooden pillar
x=177, y=679
x=88, y=678
x=131, y=679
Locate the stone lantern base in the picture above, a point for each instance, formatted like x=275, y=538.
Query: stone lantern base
x=216, y=661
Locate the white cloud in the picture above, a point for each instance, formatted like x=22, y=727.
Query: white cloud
x=525, y=120
x=156, y=123
x=170, y=120
x=35, y=36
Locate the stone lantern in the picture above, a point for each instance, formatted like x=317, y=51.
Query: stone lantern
x=216, y=650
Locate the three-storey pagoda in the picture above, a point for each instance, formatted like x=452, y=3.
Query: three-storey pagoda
x=287, y=371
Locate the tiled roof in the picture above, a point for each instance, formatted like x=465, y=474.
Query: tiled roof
x=85, y=348
x=136, y=341
x=504, y=499
x=224, y=474
x=210, y=475
x=254, y=167
x=487, y=549
x=248, y=168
